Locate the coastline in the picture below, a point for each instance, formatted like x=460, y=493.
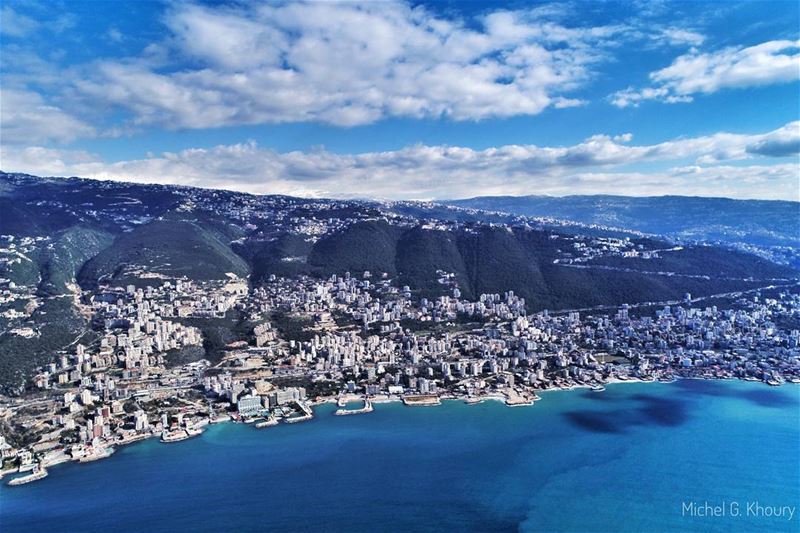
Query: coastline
x=573, y=441
x=108, y=450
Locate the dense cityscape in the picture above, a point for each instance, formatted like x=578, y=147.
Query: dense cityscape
x=359, y=340
x=352, y=266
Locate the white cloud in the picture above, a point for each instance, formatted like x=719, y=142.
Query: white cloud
x=17, y=25
x=768, y=63
x=767, y=182
x=445, y=171
x=348, y=64
x=114, y=35
x=13, y=24
x=26, y=118
x=682, y=36
x=341, y=63
x=779, y=143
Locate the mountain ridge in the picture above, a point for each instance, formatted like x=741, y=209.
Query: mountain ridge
x=55, y=234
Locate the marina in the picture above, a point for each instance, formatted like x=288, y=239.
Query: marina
x=307, y=415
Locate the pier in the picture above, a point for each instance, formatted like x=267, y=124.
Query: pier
x=37, y=474
x=271, y=421
x=366, y=409
x=309, y=414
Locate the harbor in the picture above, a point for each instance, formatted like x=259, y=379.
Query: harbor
x=267, y=422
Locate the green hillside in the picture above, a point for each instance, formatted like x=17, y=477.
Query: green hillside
x=497, y=259
x=364, y=246
x=171, y=248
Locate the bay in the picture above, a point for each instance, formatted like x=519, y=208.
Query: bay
x=626, y=459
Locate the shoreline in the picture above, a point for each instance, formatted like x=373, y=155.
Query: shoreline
x=381, y=399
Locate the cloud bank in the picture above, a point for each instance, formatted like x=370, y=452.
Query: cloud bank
x=723, y=164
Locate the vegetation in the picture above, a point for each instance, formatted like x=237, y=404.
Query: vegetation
x=217, y=332
x=58, y=326
x=757, y=222
x=704, y=261
x=173, y=248
x=496, y=259
x=291, y=327
x=116, y=232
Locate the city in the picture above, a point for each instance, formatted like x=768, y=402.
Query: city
x=352, y=266
x=360, y=338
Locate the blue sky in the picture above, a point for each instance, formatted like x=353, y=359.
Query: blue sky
x=402, y=100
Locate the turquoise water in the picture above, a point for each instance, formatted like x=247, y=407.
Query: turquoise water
x=620, y=460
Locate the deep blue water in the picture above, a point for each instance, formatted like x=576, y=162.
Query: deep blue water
x=620, y=460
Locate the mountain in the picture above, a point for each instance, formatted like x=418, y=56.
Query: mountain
x=170, y=248
x=763, y=223
x=119, y=233
x=59, y=236
x=487, y=259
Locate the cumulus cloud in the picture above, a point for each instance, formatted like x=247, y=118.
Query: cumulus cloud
x=26, y=118
x=341, y=63
x=767, y=63
x=347, y=64
x=447, y=171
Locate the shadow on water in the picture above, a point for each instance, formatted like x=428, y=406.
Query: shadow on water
x=595, y=395
x=763, y=397
x=674, y=411
x=767, y=398
x=661, y=411
x=595, y=421
x=648, y=410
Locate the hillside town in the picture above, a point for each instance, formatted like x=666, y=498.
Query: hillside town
x=359, y=340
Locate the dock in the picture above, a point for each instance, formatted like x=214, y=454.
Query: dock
x=309, y=414
x=37, y=474
x=366, y=409
x=271, y=421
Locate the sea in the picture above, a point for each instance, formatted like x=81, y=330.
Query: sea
x=687, y=456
